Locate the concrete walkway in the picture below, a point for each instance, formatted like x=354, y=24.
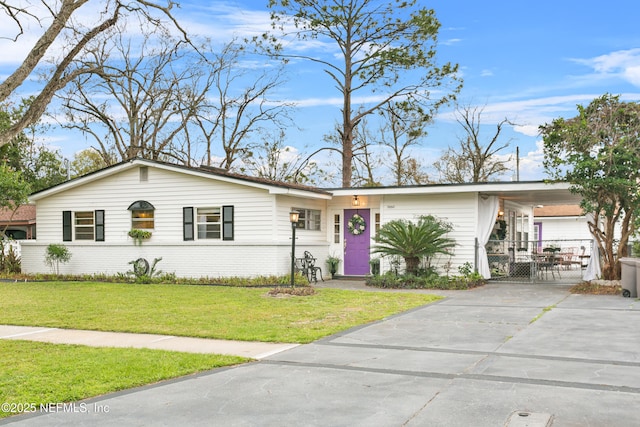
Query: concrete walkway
x=254, y=350
x=500, y=355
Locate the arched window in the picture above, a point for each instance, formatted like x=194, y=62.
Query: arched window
x=142, y=215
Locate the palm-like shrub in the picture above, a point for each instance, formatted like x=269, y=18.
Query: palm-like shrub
x=413, y=241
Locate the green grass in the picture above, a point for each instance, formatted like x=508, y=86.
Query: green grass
x=544, y=310
x=39, y=373
x=198, y=311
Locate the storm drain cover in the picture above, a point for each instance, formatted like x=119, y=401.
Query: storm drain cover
x=529, y=419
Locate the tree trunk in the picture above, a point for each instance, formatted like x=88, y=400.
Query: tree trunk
x=412, y=264
x=347, y=121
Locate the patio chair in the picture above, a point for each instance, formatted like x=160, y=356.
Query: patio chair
x=311, y=269
x=549, y=261
x=569, y=258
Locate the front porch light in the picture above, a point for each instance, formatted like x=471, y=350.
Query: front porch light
x=355, y=202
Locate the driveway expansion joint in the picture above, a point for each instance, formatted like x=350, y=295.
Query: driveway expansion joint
x=480, y=353
x=460, y=376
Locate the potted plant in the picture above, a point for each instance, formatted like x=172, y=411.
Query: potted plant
x=332, y=262
x=139, y=235
x=375, y=266
x=502, y=229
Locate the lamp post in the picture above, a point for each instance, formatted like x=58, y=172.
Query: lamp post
x=293, y=218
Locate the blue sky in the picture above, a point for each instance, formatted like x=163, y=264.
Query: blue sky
x=528, y=61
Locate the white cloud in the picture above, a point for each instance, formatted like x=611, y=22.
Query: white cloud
x=486, y=73
x=335, y=101
x=450, y=42
x=529, y=113
x=632, y=74
x=624, y=64
x=529, y=130
x=531, y=168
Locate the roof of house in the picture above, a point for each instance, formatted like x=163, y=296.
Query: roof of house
x=276, y=187
x=25, y=214
x=525, y=193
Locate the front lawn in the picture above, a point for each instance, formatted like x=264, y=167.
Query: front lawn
x=39, y=373
x=247, y=314
x=34, y=374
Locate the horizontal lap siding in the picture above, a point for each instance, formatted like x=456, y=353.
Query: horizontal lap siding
x=255, y=249
x=168, y=192
x=458, y=209
x=313, y=241
x=562, y=228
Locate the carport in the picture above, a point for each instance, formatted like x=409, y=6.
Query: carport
x=519, y=249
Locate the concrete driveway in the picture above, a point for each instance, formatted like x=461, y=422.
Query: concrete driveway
x=477, y=358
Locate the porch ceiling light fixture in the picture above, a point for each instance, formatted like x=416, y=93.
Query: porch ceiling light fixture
x=355, y=202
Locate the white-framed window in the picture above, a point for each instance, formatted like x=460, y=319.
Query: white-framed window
x=309, y=219
x=336, y=228
x=83, y=225
x=209, y=223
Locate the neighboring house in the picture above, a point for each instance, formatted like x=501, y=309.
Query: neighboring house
x=20, y=223
x=208, y=222
x=561, y=222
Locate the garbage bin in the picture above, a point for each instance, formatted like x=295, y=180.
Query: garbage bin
x=629, y=275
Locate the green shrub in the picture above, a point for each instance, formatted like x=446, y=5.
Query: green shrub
x=9, y=260
x=139, y=235
x=414, y=241
x=166, y=278
x=55, y=255
x=431, y=281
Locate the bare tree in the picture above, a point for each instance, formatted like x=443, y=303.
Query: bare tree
x=366, y=162
x=76, y=35
x=473, y=160
x=239, y=104
x=138, y=99
x=378, y=43
x=403, y=128
x=279, y=162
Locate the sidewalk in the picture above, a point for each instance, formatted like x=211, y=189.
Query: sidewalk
x=253, y=350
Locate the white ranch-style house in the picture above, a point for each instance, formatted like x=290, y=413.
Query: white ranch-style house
x=206, y=222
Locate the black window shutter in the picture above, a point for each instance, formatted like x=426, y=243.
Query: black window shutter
x=99, y=225
x=227, y=223
x=187, y=223
x=66, y=226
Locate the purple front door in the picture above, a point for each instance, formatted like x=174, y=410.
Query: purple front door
x=356, y=242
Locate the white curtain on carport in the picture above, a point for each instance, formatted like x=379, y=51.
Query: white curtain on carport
x=488, y=207
x=593, y=270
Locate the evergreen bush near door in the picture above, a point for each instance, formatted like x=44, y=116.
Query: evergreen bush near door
x=414, y=241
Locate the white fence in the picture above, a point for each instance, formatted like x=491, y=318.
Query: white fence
x=7, y=245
